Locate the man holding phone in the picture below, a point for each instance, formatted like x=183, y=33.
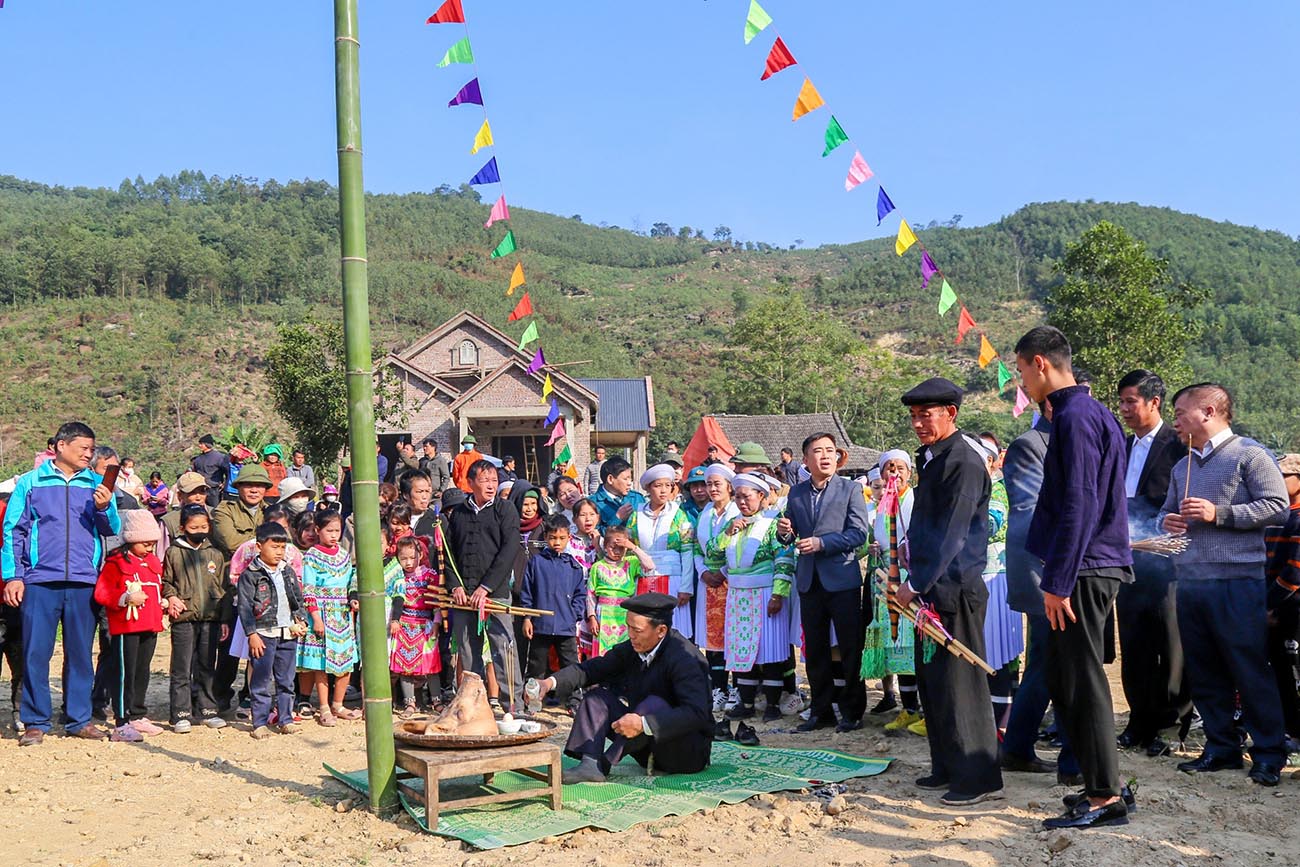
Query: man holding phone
x=52, y=576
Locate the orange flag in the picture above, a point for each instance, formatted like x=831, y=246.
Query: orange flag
x=516, y=279
x=987, y=352
x=522, y=309
x=965, y=323
x=809, y=100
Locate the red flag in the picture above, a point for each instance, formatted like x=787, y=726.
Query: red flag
x=777, y=59
x=522, y=309
x=965, y=323
x=448, y=13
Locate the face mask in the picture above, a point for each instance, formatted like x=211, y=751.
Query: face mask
x=296, y=505
x=331, y=499
x=196, y=539
x=466, y=447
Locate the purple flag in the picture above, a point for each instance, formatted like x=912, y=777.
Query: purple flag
x=883, y=206
x=538, y=362
x=928, y=268
x=555, y=410
x=487, y=175
x=468, y=95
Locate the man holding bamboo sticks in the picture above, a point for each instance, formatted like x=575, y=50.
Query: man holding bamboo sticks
x=1222, y=496
x=1080, y=532
x=947, y=545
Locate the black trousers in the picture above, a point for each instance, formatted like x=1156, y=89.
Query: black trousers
x=193, y=664
x=819, y=608
x=1076, y=680
x=11, y=649
x=225, y=673
x=1283, y=637
x=539, y=653
x=105, y=664
x=593, y=726
x=132, y=654
x=1151, y=665
x=955, y=695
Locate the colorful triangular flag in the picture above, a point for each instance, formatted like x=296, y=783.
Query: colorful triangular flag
x=458, y=53
x=928, y=269
x=486, y=175
x=517, y=278
x=547, y=388
x=1004, y=375
x=467, y=95
x=557, y=433
x=1022, y=402
x=777, y=59
x=483, y=138
x=506, y=247
x=538, y=362
x=859, y=171
x=756, y=21
x=906, y=238
x=448, y=13
x=571, y=470
x=809, y=100
x=554, y=414
x=987, y=352
x=522, y=309
x=499, y=211
x=947, y=298
x=565, y=455
x=530, y=334
x=836, y=136
x=965, y=322
x=883, y=206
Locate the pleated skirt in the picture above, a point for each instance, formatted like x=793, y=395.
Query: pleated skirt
x=753, y=636
x=1004, y=629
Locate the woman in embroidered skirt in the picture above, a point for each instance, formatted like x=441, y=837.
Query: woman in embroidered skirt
x=711, y=586
x=329, y=589
x=662, y=530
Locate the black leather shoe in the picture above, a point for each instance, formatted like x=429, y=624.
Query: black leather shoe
x=1265, y=773
x=741, y=711
x=1208, y=763
x=1069, y=779
x=746, y=736
x=849, y=725
x=1125, y=794
x=815, y=723
x=932, y=782
x=1127, y=740
x=886, y=704
x=771, y=713
x=1020, y=765
x=1157, y=748
x=1082, y=817
x=722, y=731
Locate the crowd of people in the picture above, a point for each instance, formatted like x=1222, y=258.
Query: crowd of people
x=675, y=605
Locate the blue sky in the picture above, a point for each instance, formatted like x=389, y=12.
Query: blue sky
x=636, y=112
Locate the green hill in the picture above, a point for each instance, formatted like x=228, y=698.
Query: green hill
x=147, y=310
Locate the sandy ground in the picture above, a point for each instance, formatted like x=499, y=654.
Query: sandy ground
x=221, y=797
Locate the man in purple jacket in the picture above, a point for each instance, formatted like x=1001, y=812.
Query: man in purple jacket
x=1080, y=530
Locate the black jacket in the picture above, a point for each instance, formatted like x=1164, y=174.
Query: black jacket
x=483, y=546
x=1153, y=483
x=678, y=675
x=947, y=543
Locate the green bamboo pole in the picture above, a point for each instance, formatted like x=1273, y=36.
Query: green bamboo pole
x=361, y=414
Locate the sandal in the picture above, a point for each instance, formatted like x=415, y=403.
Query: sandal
x=346, y=713
x=326, y=719
x=408, y=711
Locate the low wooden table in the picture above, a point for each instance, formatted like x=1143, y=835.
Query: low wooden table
x=434, y=766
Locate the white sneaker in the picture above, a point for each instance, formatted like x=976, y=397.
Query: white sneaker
x=215, y=722
x=791, y=703
x=719, y=701
x=733, y=698
x=181, y=727
x=806, y=714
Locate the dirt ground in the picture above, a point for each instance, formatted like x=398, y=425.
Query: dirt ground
x=221, y=797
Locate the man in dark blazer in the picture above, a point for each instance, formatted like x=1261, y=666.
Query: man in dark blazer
x=652, y=702
x=1151, y=665
x=826, y=520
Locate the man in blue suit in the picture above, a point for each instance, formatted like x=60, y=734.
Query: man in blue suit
x=826, y=520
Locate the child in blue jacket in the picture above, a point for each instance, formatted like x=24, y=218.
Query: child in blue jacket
x=553, y=581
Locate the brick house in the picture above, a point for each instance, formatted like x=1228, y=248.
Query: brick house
x=467, y=377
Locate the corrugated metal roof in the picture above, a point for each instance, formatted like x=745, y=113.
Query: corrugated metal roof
x=624, y=404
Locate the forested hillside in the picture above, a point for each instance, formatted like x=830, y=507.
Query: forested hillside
x=148, y=309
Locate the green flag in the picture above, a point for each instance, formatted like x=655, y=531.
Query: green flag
x=563, y=457
x=756, y=22
x=530, y=334
x=506, y=247
x=835, y=135
x=458, y=53
x=1004, y=376
x=947, y=298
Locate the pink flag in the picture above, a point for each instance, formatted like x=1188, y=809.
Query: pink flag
x=499, y=212
x=859, y=171
x=1022, y=402
x=557, y=433
x=538, y=362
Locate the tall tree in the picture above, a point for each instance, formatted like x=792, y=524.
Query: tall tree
x=1121, y=309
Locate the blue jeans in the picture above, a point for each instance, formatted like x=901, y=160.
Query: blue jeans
x=277, y=663
x=1031, y=700
x=45, y=607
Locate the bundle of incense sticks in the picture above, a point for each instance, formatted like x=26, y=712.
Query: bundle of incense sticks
x=937, y=635
x=1166, y=545
x=443, y=599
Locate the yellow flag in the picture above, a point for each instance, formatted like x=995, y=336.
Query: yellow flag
x=987, y=352
x=484, y=137
x=547, y=388
x=516, y=279
x=571, y=470
x=809, y=100
x=906, y=238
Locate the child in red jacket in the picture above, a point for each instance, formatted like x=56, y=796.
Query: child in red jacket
x=130, y=589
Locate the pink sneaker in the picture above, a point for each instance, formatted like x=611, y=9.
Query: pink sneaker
x=146, y=727
x=126, y=734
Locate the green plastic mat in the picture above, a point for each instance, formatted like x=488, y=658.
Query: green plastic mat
x=629, y=797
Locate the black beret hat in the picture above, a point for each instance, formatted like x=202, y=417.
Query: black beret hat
x=935, y=391
x=651, y=604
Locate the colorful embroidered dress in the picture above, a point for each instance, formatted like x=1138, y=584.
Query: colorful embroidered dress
x=757, y=567
x=328, y=581
x=668, y=537
x=710, y=602
x=415, y=649
x=611, y=583
x=882, y=655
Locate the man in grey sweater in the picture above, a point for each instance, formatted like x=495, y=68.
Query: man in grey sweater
x=1236, y=490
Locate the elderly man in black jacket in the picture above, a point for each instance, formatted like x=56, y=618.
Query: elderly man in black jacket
x=483, y=534
x=653, y=702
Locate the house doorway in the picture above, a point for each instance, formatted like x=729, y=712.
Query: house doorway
x=532, y=456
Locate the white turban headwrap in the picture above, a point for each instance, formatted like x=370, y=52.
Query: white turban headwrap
x=720, y=471
x=657, y=472
x=895, y=455
x=751, y=480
